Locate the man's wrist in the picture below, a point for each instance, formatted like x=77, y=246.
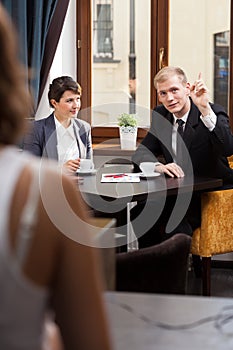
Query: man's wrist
x=205, y=111
x=209, y=120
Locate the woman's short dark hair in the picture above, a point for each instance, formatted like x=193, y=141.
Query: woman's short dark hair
x=60, y=85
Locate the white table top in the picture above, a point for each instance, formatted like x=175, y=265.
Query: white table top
x=134, y=320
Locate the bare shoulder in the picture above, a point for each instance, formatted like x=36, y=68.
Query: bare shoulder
x=59, y=224
x=60, y=191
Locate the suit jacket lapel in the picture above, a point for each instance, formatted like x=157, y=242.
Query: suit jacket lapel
x=168, y=151
x=81, y=138
x=50, y=147
x=192, y=122
x=165, y=135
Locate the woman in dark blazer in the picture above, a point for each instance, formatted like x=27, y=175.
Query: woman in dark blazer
x=62, y=136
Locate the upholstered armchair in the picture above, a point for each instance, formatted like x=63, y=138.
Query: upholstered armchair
x=215, y=236
x=230, y=160
x=161, y=268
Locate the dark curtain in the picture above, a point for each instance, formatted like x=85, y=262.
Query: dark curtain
x=39, y=24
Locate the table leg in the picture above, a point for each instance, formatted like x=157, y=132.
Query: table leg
x=206, y=269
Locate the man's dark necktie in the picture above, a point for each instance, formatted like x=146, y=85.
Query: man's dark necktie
x=180, y=128
x=179, y=145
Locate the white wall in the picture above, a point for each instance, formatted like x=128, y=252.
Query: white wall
x=64, y=62
x=192, y=25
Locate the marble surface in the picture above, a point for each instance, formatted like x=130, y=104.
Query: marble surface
x=161, y=322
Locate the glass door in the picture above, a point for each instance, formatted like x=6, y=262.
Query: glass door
x=120, y=60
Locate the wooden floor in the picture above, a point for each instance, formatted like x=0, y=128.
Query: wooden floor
x=221, y=278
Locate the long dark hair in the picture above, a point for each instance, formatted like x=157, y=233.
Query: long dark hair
x=15, y=102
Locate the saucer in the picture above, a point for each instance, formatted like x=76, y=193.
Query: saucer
x=149, y=175
x=86, y=172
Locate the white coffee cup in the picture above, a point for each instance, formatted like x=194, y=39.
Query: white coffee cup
x=147, y=167
x=86, y=165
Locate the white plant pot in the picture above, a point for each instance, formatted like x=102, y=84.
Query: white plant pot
x=128, y=137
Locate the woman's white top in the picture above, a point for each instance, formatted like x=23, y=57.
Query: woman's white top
x=67, y=146
x=22, y=303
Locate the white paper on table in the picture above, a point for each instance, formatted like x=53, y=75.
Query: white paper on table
x=120, y=177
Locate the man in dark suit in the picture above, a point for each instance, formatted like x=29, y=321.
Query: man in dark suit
x=62, y=136
x=203, y=148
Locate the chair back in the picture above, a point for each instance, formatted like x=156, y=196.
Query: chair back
x=216, y=231
x=160, y=268
x=215, y=236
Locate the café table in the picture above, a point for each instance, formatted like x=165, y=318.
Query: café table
x=112, y=199
x=120, y=193
x=169, y=322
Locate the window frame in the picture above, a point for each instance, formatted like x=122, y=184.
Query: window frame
x=159, y=58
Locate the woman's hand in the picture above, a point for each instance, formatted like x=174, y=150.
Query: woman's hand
x=72, y=165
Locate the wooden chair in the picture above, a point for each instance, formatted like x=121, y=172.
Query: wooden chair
x=160, y=268
x=215, y=236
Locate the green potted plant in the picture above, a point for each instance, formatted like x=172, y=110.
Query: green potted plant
x=128, y=130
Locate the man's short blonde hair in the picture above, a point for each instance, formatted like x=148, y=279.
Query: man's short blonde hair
x=167, y=72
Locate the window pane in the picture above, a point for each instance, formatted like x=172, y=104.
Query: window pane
x=199, y=42
x=121, y=60
x=221, y=68
x=102, y=30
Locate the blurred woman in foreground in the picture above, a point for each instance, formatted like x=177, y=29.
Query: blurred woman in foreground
x=44, y=270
